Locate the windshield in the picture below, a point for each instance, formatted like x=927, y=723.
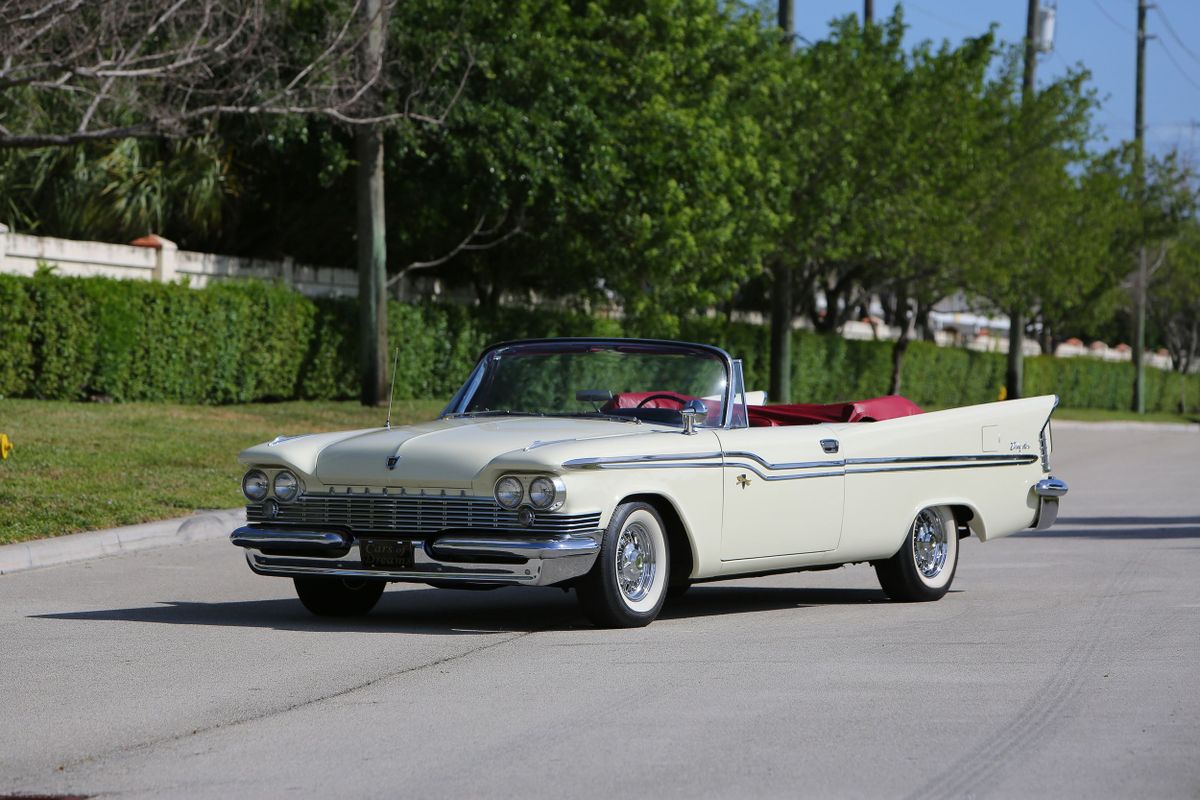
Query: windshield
x=639, y=382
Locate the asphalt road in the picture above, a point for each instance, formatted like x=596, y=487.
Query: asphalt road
x=1063, y=664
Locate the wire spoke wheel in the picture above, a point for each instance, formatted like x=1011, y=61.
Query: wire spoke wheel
x=628, y=583
x=635, y=562
x=929, y=543
x=923, y=568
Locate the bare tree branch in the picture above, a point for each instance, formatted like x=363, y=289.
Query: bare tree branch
x=77, y=71
x=469, y=243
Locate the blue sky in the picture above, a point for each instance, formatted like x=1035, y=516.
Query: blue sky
x=1100, y=34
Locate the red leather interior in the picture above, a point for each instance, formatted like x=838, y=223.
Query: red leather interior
x=672, y=400
x=872, y=410
x=669, y=400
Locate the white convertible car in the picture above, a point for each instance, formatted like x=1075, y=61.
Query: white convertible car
x=629, y=469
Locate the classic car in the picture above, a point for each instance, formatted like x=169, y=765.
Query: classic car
x=629, y=469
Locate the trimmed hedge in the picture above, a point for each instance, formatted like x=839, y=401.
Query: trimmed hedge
x=71, y=338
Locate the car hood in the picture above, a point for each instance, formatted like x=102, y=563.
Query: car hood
x=448, y=452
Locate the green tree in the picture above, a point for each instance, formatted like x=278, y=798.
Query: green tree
x=1174, y=302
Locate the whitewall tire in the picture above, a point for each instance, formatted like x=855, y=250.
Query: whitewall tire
x=924, y=566
x=628, y=583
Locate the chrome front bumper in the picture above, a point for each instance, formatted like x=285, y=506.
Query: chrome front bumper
x=1047, y=491
x=517, y=559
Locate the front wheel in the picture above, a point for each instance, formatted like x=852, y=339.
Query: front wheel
x=338, y=597
x=923, y=568
x=628, y=583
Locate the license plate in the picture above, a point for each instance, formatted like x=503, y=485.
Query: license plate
x=385, y=554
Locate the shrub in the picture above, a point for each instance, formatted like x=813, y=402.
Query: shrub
x=67, y=338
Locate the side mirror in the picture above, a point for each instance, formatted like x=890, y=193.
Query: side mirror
x=690, y=411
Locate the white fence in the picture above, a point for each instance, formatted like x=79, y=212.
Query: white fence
x=153, y=258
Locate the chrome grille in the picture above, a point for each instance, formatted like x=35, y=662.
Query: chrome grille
x=414, y=515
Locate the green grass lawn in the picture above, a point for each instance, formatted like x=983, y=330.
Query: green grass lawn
x=86, y=466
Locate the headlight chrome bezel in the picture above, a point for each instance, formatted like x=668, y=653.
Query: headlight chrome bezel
x=520, y=490
x=284, y=495
x=265, y=481
x=557, y=497
x=558, y=493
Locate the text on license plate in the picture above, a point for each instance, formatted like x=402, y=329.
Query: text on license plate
x=385, y=554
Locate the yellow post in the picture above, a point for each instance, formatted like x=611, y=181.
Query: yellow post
x=6, y=446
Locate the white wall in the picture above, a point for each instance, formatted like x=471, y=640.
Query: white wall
x=20, y=254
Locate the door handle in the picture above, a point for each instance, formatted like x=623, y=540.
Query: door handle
x=829, y=445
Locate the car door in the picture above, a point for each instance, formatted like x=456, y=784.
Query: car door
x=784, y=491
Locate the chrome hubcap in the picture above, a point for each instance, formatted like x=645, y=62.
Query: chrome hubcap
x=635, y=562
x=930, y=545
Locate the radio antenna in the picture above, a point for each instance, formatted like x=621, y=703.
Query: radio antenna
x=395, y=360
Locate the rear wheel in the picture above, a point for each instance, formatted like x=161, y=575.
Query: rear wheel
x=923, y=568
x=338, y=597
x=628, y=583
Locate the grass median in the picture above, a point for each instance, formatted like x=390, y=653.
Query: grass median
x=87, y=466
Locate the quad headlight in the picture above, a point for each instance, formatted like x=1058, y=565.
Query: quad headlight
x=509, y=492
x=255, y=485
x=286, y=486
x=541, y=492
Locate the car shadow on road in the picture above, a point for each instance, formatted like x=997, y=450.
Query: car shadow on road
x=1121, y=528
x=717, y=599
x=457, y=613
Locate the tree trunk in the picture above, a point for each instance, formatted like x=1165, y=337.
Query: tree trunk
x=922, y=323
x=1046, y=340
x=371, y=231
x=781, y=333
x=1014, y=376
x=900, y=348
x=1139, y=335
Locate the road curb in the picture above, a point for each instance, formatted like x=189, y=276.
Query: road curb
x=198, y=527
x=1164, y=427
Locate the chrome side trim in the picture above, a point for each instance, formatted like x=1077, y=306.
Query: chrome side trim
x=926, y=467
x=839, y=470
x=597, y=461
x=829, y=468
x=1001, y=457
x=837, y=473
x=833, y=462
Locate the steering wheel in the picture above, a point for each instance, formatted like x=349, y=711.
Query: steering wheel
x=661, y=396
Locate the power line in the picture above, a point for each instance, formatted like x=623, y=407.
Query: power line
x=1111, y=18
x=944, y=20
x=1171, y=30
x=1178, y=66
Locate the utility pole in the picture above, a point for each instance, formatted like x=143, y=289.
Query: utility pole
x=868, y=12
x=370, y=227
x=782, y=307
x=1014, y=375
x=1139, y=176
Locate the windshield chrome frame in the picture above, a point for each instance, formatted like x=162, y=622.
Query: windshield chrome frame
x=462, y=398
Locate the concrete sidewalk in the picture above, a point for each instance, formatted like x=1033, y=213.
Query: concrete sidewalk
x=199, y=526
